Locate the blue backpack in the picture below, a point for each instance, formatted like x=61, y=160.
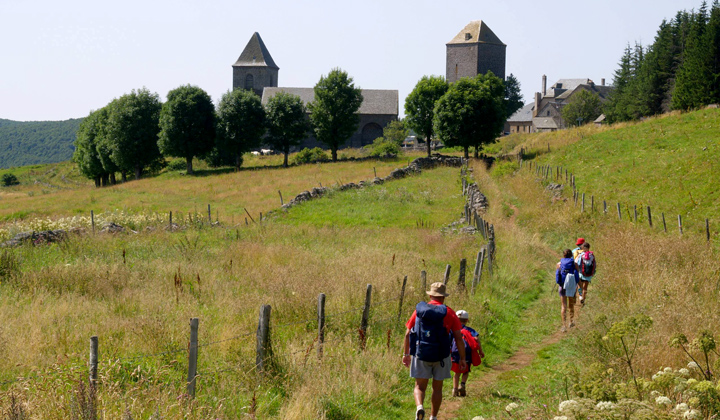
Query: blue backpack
x=429, y=339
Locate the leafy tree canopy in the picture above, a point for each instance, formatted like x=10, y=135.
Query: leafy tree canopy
x=86, y=154
x=513, y=96
x=286, y=122
x=187, y=124
x=240, y=123
x=333, y=113
x=396, y=131
x=420, y=105
x=583, y=107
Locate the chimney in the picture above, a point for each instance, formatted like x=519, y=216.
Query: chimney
x=544, y=85
x=537, y=104
x=602, y=81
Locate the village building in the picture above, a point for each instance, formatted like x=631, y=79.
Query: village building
x=545, y=113
x=256, y=70
x=474, y=50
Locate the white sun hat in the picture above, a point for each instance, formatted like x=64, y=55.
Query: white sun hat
x=462, y=314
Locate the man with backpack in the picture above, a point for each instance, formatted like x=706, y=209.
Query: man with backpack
x=426, y=349
x=587, y=265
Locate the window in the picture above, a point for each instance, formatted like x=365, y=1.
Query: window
x=548, y=113
x=249, y=82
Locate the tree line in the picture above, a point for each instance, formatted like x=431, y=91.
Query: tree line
x=680, y=70
x=136, y=132
x=468, y=113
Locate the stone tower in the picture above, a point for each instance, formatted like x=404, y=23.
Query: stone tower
x=255, y=69
x=475, y=50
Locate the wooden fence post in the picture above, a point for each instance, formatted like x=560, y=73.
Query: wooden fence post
x=635, y=211
x=619, y=213
x=649, y=216
x=282, y=203
x=321, y=324
x=489, y=256
x=192, y=357
x=680, y=223
x=402, y=297
x=209, y=215
x=604, y=206
x=447, y=274
x=664, y=225
x=262, y=348
x=461, y=273
x=478, y=269
x=92, y=220
x=375, y=172
x=423, y=281
x=365, y=317
x=582, y=208
x=170, y=222
x=93, y=360
x=707, y=229
x=592, y=204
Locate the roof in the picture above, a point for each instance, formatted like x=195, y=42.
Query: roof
x=545, y=123
x=476, y=32
x=255, y=54
x=375, y=101
x=524, y=114
x=600, y=119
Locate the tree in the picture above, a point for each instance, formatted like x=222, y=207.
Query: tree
x=131, y=131
x=86, y=154
x=582, y=108
x=420, y=106
x=333, y=113
x=396, y=132
x=471, y=113
x=241, y=123
x=9, y=179
x=693, y=85
x=187, y=124
x=286, y=122
x=513, y=96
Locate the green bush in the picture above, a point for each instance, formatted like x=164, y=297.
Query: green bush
x=384, y=148
x=9, y=180
x=177, y=165
x=504, y=168
x=450, y=149
x=310, y=156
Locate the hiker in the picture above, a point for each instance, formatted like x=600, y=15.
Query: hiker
x=473, y=355
x=426, y=349
x=566, y=277
x=587, y=265
x=578, y=247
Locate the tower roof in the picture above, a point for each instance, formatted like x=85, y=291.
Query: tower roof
x=476, y=32
x=255, y=54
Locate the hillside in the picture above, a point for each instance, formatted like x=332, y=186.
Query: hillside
x=35, y=142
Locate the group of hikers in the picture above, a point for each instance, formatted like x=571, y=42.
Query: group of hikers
x=438, y=340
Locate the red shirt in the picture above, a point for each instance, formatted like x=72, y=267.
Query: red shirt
x=451, y=321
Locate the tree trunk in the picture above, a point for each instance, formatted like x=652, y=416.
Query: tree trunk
x=138, y=171
x=188, y=166
x=104, y=180
x=467, y=151
x=427, y=141
x=477, y=152
x=238, y=161
x=334, y=154
x=123, y=176
x=113, y=181
x=285, y=160
x=97, y=182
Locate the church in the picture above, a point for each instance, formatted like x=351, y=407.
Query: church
x=256, y=70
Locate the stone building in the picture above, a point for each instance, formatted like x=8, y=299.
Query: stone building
x=256, y=70
x=378, y=108
x=545, y=113
x=475, y=50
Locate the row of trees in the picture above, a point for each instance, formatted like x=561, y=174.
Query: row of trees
x=679, y=70
x=135, y=132
x=468, y=113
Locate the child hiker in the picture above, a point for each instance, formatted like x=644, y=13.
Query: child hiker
x=587, y=265
x=567, y=277
x=473, y=355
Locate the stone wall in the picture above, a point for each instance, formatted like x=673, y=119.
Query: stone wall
x=469, y=60
x=262, y=77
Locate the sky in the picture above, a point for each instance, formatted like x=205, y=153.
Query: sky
x=62, y=59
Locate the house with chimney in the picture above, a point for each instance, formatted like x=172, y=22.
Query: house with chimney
x=545, y=113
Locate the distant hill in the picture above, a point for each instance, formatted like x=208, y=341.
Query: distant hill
x=33, y=142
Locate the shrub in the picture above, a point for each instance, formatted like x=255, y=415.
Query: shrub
x=310, y=156
x=384, y=148
x=177, y=165
x=450, y=149
x=9, y=180
x=504, y=168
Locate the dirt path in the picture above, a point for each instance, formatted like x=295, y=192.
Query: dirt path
x=522, y=358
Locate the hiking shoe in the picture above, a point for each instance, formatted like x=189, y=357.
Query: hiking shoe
x=563, y=329
x=420, y=414
x=572, y=324
x=455, y=392
x=462, y=392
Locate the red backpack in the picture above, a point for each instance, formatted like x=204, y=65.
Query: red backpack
x=588, y=264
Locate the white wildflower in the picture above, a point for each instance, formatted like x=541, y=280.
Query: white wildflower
x=654, y=377
x=693, y=365
x=667, y=370
x=684, y=372
x=691, y=414
x=655, y=394
x=567, y=405
x=682, y=407
x=478, y=418
x=605, y=405
x=510, y=407
x=560, y=418
x=663, y=400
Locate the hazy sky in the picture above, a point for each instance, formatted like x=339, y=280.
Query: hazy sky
x=61, y=59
